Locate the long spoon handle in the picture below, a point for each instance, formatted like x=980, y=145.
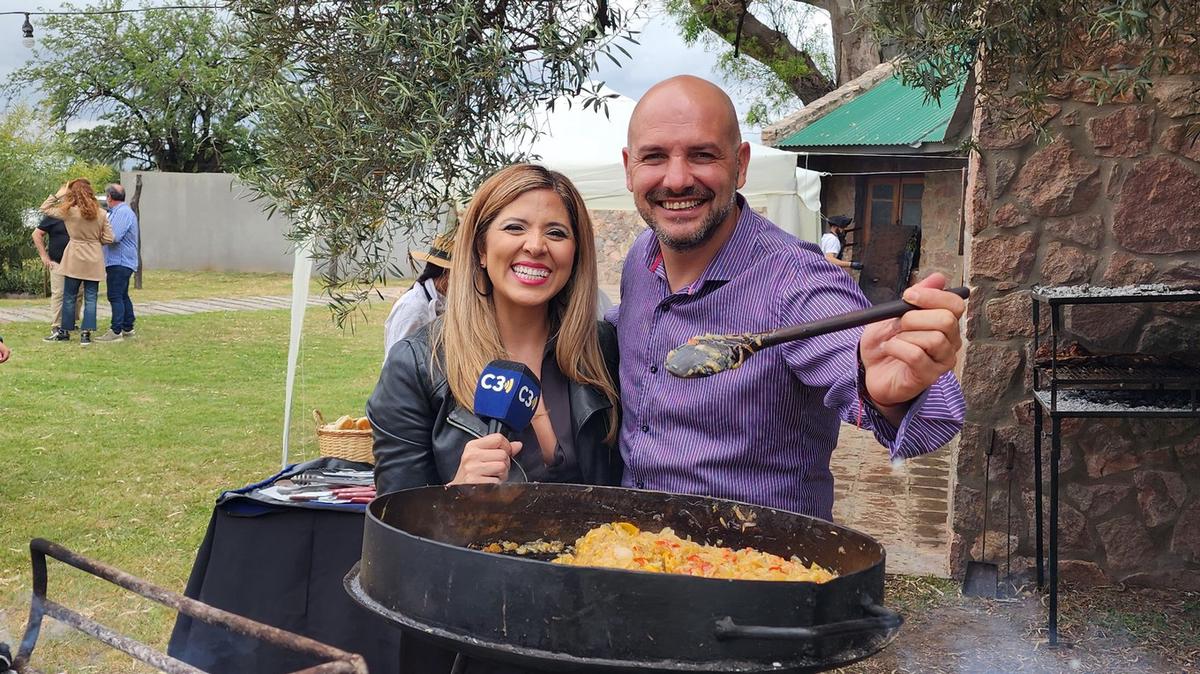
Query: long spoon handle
x=854, y=319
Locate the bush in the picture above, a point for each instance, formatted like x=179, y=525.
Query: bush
x=28, y=278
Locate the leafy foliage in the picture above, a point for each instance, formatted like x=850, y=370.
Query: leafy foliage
x=375, y=116
x=33, y=163
x=1110, y=49
x=166, y=86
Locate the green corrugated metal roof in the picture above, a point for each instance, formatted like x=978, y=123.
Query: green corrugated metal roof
x=889, y=113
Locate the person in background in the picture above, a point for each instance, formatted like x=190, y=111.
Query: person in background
x=83, y=258
x=120, y=262
x=831, y=242
x=762, y=433
x=5, y=352
x=426, y=299
x=51, y=253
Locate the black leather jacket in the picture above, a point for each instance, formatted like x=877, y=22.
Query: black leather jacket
x=420, y=430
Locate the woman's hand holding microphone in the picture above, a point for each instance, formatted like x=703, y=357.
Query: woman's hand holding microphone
x=486, y=460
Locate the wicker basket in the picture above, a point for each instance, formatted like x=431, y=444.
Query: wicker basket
x=351, y=445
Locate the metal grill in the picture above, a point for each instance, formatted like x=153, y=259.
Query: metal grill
x=333, y=660
x=1114, y=372
x=1113, y=386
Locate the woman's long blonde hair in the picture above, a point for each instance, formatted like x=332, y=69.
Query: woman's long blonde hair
x=80, y=195
x=469, y=338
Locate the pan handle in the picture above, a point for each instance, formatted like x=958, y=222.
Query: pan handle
x=881, y=619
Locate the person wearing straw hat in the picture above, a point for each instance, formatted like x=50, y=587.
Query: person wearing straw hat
x=426, y=299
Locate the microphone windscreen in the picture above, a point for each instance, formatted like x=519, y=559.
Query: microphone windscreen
x=508, y=392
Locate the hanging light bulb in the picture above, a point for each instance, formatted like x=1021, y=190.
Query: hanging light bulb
x=27, y=33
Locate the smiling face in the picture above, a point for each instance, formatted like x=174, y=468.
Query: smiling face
x=529, y=249
x=685, y=161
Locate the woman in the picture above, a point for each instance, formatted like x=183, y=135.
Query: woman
x=425, y=300
x=524, y=289
x=83, y=259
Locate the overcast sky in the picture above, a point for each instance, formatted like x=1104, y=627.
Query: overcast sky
x=660, y=54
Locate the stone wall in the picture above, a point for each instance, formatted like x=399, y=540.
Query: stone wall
x=1111, y=199
x=615, y=233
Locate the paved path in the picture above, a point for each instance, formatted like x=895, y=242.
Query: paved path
x=170, y=308
x=903, y=505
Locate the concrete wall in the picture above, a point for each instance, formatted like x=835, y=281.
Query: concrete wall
x=207, y=221
x=199, y=221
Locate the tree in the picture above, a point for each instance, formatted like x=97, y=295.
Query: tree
x=33, y=163
x=374, y=116
x=788, y=48
x=1109, y=49
x=166, y=86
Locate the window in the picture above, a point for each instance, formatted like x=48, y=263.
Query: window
x=895, y=201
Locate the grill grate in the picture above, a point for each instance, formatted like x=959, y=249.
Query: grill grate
x=1155, y=374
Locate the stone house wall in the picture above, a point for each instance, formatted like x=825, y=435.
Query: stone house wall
x=615, y=232
x=1112, y=198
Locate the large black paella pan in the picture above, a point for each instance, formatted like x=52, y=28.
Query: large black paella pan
x=417, y=570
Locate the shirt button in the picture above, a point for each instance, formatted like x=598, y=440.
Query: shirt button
x=645, y=428
x=653, y=369
x=641, y=485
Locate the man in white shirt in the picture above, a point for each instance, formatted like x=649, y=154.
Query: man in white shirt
x=831, y=242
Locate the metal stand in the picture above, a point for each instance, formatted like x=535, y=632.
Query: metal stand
x=334, y=661
x=1054, y=397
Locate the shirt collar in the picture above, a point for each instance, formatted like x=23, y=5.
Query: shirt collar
x=730, y=260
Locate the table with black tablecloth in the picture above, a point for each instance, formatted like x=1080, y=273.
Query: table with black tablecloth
x=283, y=566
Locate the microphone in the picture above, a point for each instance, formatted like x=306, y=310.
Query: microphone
x=506, y=396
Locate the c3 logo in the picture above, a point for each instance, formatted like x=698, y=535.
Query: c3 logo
x=496, y=382
x=527, y=398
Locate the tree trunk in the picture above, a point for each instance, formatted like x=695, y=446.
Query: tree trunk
x=135, y=205
x=855, y=49
x=764, y=44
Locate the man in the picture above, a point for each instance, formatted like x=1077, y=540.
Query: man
x=51, y=254
x=831, y=242
x=120, y=262
x=764, y=432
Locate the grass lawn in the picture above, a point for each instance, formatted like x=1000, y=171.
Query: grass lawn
x=119, y=450
x=160, y=286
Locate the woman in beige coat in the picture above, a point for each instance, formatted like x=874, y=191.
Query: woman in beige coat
x=83, y=259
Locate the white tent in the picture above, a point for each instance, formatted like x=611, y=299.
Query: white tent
x=586, y=146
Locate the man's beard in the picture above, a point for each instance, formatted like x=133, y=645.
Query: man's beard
x=695, y=239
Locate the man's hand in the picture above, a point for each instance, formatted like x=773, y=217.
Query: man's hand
x=486, y=460
x=4, y=352
x=906, y=355
x=48, y=263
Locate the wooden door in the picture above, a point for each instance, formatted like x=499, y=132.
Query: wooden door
x=893, y=211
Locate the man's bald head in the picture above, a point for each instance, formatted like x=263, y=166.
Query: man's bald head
x=680, y=95
x=685, y=162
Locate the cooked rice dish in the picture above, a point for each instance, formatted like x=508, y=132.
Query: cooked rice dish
x=621, y=545
x=538, y=547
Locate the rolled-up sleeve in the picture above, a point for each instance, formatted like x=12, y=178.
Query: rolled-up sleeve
x=831, y=362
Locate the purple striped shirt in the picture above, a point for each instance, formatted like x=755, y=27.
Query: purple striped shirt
x=762, y=433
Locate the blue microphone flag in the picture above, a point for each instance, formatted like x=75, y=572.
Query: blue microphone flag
x=507, y=392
